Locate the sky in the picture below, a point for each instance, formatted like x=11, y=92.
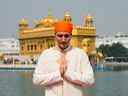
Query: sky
x=110, y=16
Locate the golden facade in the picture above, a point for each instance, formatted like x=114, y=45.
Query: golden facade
x=34, y=40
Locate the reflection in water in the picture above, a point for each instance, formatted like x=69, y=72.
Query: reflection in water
x=20, y=84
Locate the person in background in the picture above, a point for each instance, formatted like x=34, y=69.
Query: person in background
x=63, y=70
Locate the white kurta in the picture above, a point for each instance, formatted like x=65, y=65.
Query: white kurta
x=78, y=68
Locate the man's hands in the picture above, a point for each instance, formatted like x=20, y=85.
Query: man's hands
x=63, y=65
x=63, y=69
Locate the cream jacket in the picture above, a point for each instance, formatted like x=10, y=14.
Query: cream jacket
x=47, y=72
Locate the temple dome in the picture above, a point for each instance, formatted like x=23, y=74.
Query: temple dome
x=88, y=18
x=48, y=21
x=23, y=21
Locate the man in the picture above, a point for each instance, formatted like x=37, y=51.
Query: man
x=63, y=70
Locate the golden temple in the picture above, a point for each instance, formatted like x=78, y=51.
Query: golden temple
x=34, y=40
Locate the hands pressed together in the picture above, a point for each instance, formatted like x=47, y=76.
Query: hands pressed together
x=63, y=65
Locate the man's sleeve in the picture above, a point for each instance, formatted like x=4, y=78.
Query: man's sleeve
x=83, y=77
x=41, y=75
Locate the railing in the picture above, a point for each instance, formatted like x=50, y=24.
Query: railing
x=14, y=67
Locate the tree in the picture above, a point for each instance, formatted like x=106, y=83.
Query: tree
x=114, y=50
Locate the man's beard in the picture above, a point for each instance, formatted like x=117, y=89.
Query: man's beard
x=63, y=46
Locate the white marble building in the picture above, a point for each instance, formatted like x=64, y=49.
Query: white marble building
x=119, y=37
x=9, y=46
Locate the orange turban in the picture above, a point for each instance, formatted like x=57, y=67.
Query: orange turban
x=63, y=26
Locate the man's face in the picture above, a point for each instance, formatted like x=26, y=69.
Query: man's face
x=63, y=39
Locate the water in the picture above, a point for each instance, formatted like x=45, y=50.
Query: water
x=19, y=83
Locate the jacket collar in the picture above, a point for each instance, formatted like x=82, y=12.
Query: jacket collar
x=65, y=50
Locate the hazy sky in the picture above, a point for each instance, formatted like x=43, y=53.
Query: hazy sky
x=110, y=16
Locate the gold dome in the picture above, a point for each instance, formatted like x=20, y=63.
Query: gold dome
x=67, y=14
x=47, y=21
x=23, y=21
x=67, y=17
x=88, y=18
